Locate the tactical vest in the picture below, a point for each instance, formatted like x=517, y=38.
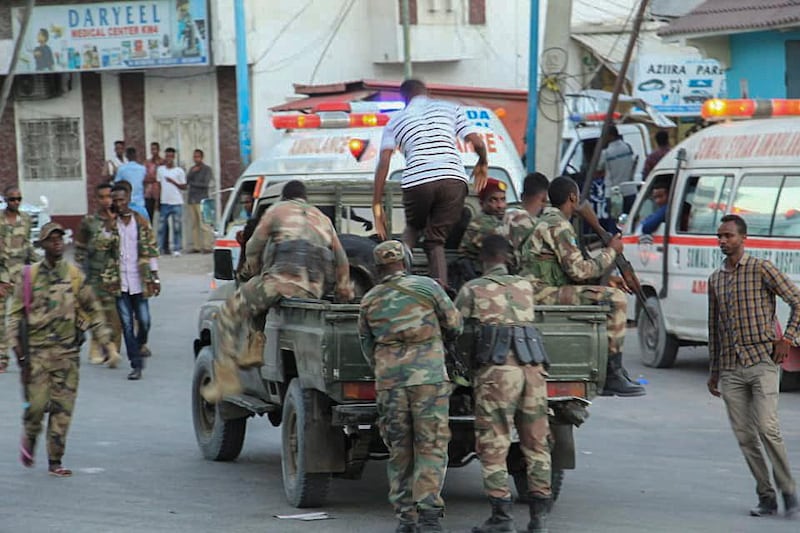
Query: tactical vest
x=546, y=267
x=291, y=257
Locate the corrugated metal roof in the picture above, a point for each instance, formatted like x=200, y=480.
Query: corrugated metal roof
x=734, y=16
x=610, y=47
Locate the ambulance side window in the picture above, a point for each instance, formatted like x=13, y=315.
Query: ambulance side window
x=755, y=201
x=703, y=203
x=648, y=205
x=786, y=222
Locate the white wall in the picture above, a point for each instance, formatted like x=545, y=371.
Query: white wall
x=112, y=112
x=66, y=197
x=287, y=38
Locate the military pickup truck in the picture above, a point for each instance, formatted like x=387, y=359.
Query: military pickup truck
x=318, y=387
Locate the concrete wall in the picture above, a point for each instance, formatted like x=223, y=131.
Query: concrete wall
x=759, y=58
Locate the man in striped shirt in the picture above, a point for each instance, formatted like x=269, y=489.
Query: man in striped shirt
x=434, y=180
x=745, y=355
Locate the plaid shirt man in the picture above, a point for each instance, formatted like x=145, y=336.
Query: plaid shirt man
x=743, y=334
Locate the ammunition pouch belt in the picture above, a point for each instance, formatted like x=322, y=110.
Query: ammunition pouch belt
x=495, y=342
x=290, y=257
x=548, y=270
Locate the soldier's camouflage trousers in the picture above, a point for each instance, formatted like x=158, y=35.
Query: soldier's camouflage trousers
x=507, y=396
x=592, y=295
x=112, y=320
x=53, y=388
x=251, y=300
x=5, y=344
x=414, y=424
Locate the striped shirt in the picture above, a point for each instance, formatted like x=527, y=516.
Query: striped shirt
x=741, y=312
x=426, y=132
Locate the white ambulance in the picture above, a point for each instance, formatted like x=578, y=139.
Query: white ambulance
x=341, y=141
x=747, y=165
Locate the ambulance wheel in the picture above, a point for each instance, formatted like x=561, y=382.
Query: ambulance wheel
x=790, y=381
x=658, y=348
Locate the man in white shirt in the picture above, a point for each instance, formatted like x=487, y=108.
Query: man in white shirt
x=434, y=180
x=117, y=159
x=173, y=182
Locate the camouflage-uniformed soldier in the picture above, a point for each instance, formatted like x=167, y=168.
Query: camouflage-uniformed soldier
x=97, y=253
x=294, y=252
x=493, y=206
x=559, y=264
x=518, y=223
x=401, y=323
x=61, y=302
x=15, y=251
x=509, y=384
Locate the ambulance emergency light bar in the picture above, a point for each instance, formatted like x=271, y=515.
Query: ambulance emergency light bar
x=719, y=109
x=339, y=115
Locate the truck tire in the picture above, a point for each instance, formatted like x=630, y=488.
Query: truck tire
x=218, y=439
x=302, y=489
x=790, y=381
x=658, y=348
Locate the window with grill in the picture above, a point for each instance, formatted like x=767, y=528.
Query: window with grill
x=51, y=149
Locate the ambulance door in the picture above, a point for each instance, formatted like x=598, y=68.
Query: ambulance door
x=694, y=252
x=645, y=251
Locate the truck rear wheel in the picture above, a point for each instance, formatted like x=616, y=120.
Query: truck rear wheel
x=218, y=439
x=302, y=488
x=658, y=348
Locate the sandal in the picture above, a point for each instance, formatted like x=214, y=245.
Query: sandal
x=26, y=453
x=59, y=471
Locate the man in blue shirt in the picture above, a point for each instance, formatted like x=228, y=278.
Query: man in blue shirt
x=134, y=173
x=660, y=197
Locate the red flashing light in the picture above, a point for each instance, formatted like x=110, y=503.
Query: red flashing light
x=357, y=147
x=718, y=109
x=285, y=122
x=368, y=119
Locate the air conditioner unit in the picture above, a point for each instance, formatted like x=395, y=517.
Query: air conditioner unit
x=38, y=86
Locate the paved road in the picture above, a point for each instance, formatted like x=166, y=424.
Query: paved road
x=664, y=463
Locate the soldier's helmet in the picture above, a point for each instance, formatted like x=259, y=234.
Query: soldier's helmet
x=389, y=252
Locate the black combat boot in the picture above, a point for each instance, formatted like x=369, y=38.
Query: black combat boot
x=406, y=523
x=617, y=384
x=767, y=506
x=429, y=521
x=500, y=520
x=539, y=507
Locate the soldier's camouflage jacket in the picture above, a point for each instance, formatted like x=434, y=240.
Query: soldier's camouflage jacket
x=296, y=221
x=479, y=227
x=401, y=324
x=497, y=298
x=15, y=246
x=517, y=227
x=556, y=258
x=53, y=319
x=97, y=253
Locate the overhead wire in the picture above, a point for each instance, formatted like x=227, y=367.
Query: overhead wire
x=343, y=16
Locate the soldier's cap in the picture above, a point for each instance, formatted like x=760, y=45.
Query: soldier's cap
x=47, y=230
x=492, y=186
x=389, y=252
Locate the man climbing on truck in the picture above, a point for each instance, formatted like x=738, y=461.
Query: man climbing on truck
x=294, y=252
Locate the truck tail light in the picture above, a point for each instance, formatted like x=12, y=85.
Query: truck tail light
x=359, y=390
x=565, y=389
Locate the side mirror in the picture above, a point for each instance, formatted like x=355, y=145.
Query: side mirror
x=44, y=203
x=208, y=208
x=622, y=220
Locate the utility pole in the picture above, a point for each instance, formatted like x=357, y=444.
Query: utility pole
x=12, y=67
x=242, y=83
x=618, y=85
x=405, y=17
x=533, y=88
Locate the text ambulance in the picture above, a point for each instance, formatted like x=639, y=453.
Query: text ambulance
x=749, y=167
x=340, y=141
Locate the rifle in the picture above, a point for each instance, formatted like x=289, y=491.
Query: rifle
x=625, y=268
x=23, y=347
